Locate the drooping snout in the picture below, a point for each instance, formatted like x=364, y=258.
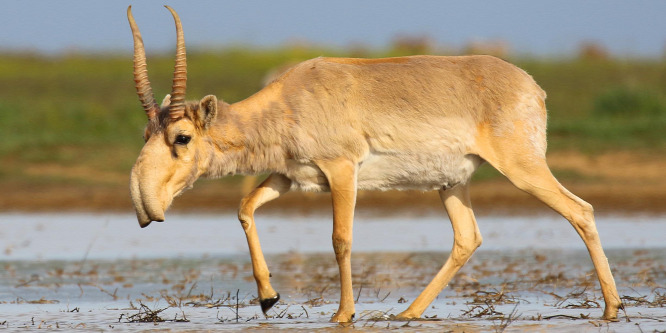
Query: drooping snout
x=145, y=205
x=148, y=191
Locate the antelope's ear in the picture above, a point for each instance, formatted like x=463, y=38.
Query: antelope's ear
x=166, y=101
x=207, y=111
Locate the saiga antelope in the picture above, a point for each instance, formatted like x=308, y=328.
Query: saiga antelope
x=340, y=125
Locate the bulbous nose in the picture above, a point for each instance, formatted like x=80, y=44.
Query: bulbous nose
x=147, y=206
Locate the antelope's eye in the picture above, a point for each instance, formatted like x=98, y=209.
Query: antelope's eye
x=182, y=139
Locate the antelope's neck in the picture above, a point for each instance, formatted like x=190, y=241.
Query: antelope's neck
x=250, y=135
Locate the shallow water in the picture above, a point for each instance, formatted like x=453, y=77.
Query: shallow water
x=102, y=272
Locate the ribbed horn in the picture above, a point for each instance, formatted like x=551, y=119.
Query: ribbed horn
x=143, y=88
x=177, y=107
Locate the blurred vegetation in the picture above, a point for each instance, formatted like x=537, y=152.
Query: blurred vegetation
x=595, y=106
x=81, y=110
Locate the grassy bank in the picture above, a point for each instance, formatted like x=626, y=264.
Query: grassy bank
x=75, y=119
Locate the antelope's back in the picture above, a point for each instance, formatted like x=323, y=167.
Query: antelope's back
x=400, y=103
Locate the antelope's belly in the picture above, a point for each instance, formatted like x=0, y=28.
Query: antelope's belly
x=306, y=176
x=394, y=172
x=423, y=172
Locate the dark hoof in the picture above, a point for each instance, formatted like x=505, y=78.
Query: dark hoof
x=267, y=304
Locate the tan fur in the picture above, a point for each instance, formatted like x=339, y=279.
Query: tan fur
x=338, y=125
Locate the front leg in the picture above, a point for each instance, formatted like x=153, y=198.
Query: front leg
x=271, y=188
x=341, y=175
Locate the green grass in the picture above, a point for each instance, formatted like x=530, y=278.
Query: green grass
x=82, y=109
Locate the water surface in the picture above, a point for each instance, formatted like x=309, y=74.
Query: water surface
x=103, y=272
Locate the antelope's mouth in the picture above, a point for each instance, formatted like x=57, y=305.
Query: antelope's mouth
x=145, y=219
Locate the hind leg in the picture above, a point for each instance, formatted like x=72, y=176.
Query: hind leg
x=466, y=239
x=528, y=171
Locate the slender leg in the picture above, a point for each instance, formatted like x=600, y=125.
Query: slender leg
x=270, y=189
x=341, y=175
x=520, y=156
x=539, y=181
x=466, y=239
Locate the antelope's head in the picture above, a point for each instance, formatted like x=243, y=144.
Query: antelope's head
x=177, y=148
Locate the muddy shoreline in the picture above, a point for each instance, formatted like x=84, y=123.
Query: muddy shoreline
x=524, y=291
x=101, y=272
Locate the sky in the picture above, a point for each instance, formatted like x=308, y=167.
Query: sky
x=528, y=27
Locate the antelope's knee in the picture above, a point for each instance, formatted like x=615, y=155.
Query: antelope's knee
x=587, y=213
x=583, y=221
x=464, y=248
x=246, y=213
x=246, y=219
x=341, y=245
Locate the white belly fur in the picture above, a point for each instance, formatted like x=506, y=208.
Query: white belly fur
x=394, y=172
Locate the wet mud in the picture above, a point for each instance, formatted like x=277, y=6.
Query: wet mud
x=524, y=290
x=511, y=289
